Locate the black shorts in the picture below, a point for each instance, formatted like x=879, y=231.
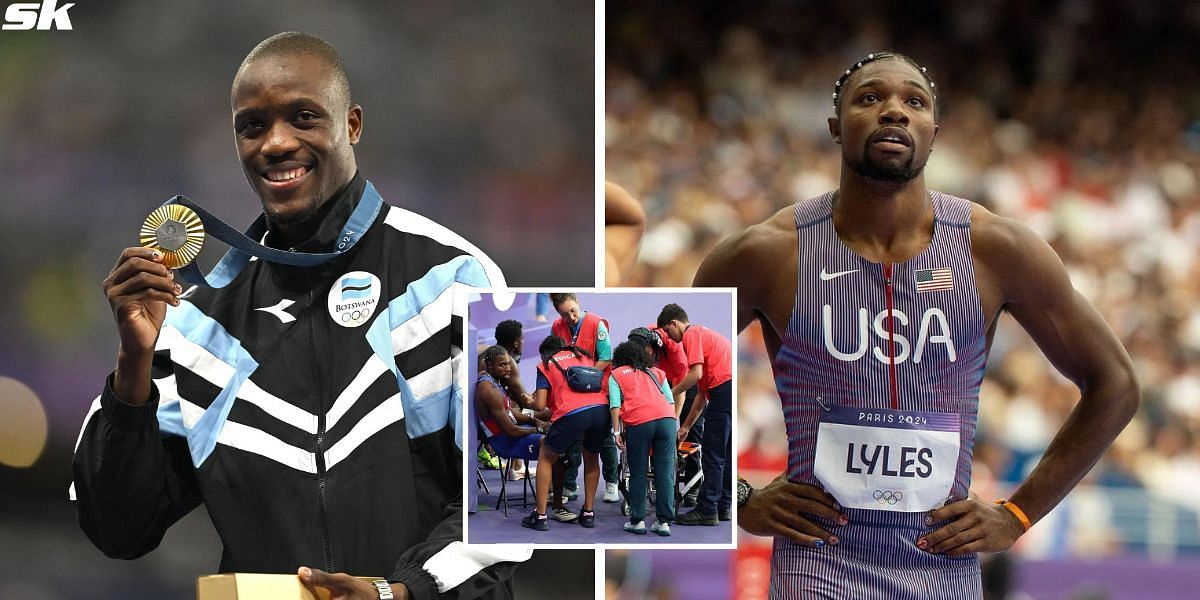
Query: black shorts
x=593, y=423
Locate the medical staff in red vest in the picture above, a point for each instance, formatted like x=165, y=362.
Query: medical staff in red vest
x=575, y=416
x=589, y=332
x=643, y=414
x=710, y=368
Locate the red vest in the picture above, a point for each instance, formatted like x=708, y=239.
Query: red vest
x=586, y=340
x=563, y=399
x=641, y=400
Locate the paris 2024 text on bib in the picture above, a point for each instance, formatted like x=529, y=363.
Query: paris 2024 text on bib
x=883, y=459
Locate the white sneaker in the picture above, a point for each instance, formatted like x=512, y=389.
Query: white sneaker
x=563, y=515
x=638, y=528
x=610, y=493
x=661, y=528
x=516, y=475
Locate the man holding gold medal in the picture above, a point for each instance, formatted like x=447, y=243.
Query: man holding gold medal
x=308, y=396
x=878, y=302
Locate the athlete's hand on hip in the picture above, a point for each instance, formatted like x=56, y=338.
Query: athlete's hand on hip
x=138, y=288
x=975, y=526
x=779, y=509
x=345, y=587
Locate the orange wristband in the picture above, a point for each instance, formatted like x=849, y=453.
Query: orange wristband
x=1016, y=511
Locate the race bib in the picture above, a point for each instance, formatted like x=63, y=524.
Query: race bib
x=884, y=459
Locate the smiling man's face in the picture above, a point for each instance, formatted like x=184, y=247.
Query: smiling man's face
x=295, y=133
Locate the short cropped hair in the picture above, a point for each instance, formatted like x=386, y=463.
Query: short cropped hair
x=508, y=332
x=293, y=43
x=672, y=312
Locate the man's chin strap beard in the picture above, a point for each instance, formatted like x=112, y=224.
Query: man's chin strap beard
x=903, y=174
x=306, y=223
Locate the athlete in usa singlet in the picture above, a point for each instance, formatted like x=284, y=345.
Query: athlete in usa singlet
x=883, y=342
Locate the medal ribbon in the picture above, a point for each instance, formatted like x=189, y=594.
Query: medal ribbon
x=244, y=245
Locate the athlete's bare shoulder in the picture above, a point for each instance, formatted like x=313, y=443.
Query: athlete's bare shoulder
x=1011, y=260
x=759, y=261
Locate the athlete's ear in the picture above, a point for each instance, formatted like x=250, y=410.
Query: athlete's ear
x=354, y=122
x=934, y=138
x=835, y=130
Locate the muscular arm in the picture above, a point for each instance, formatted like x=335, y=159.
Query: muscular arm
x=515, y=389
x=1018, y=272
x=540, y=399
x=695, y=372
x=493, y=405
x=761, y=263
x=624, y=223
x=1037, y=292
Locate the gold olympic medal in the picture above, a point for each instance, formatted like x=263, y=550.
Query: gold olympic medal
x=176, y=231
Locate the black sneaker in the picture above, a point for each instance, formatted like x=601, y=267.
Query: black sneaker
x=535, y=521
x=689, y=499
x=724, y=515
x=587, y=519
x=696, y=518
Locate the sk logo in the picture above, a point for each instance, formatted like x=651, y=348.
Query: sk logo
x=48, y=15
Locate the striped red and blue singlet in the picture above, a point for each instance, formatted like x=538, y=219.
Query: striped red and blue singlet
x=851, y=317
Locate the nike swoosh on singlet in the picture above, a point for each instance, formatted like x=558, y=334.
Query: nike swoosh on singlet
x=828, y=276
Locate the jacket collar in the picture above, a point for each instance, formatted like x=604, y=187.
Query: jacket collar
x=334, y=215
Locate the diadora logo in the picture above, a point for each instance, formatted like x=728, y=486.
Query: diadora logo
x=933, y=319
x=279, y=311
x=24, y=16
x=353, y=298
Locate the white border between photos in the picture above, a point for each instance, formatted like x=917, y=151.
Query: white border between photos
x=733, y=460
x=598, y=271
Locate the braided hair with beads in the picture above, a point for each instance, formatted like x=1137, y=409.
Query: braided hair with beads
x=873, y=57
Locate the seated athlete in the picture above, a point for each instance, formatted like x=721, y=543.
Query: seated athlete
x=574, y=415
x=511, y=433
x=643, y=414
x=510, y=335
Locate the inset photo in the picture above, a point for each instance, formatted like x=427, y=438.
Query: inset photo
x=601, y=417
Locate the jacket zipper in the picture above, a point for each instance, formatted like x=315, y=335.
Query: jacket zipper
x=887, y=282
x=322, y=512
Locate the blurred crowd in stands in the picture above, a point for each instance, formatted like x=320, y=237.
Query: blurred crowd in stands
x=1080, y=119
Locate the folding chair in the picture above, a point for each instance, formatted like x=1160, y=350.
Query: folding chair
x=505, y=472
x=481, y=434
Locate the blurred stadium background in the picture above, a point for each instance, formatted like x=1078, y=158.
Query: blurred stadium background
x=480, y=116
x=1079, y=117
